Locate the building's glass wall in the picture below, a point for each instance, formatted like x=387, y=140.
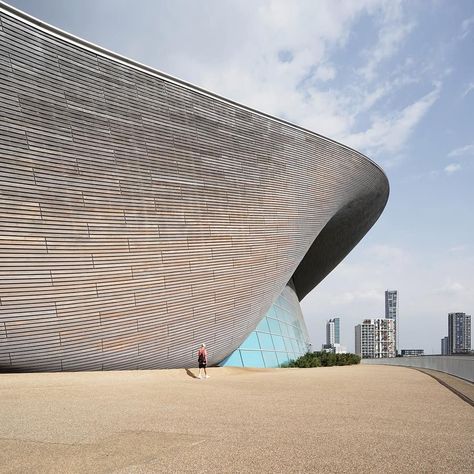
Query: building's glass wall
x=280, y=336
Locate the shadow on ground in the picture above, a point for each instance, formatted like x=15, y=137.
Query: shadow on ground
x=190, y=373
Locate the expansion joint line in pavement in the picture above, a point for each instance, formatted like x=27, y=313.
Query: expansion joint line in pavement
x=449, y=387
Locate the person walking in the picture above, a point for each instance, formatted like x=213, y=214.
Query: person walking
x=202, y=361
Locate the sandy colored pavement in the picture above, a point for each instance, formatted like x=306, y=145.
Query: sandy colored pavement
x=339, y=419
x=461, y=386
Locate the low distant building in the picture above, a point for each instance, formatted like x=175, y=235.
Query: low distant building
x=412, y=352
x=444, y=346
x=375, y=338
x=334, y=348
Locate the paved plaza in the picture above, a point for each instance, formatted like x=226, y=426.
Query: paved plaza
x=338, y=419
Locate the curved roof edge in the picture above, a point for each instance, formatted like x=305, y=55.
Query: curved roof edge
x=339, y=236
x=149, y=70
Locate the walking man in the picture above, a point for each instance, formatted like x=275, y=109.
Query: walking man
x=202, y=361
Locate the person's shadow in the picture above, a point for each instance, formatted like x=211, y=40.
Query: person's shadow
x=191, y=374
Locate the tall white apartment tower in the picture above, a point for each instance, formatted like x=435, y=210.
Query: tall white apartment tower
x=375, y=338
x=365, y=339
x=333, y=332
x=391, y=311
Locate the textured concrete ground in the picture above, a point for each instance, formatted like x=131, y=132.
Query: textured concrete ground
x=463, y=387
x=338, y=419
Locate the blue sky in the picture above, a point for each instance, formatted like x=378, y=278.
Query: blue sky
x=392, y=79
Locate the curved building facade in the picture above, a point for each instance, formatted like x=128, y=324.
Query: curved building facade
x=141, y=216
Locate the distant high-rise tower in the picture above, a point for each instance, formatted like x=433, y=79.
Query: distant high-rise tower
x=333, y=337
x=333, y=332
x=365, y=339
x=391, y=311
x=444, y=346
x=459, y=333
x=375, y=338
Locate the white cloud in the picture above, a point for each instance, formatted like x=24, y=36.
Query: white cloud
x=389, y=134
x=452, y=168
x=390, y=40
x=457, y=248
x=391, y=253
x=450, y=287
x=469, y=88
x=393, y=31
x=362, y=296
x=325, y=72
x=371, y=98
x=466, y=27
x=365, y=98
x=467, y=150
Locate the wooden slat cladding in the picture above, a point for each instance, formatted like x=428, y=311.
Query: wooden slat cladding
x=140, y=216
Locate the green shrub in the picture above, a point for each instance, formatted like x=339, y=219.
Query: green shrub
x=323, y=359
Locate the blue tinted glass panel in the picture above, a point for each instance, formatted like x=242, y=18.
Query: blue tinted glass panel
x=288, y=345
x=301, y=347
x=274, y=326
x=263, y=325
x=278, y=343
x=282, y=357
x=251, y=342
x=270, y=359
x=284, y=329
x=271, y=312
x=286, y=306
x=234, y=360
x=295, y=345
x=266, y=342
x=252, y=358
x=281, y=314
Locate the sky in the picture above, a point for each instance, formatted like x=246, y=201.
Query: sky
x=392, y=79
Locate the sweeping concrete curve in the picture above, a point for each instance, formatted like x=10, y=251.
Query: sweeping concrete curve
x=142, y=215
